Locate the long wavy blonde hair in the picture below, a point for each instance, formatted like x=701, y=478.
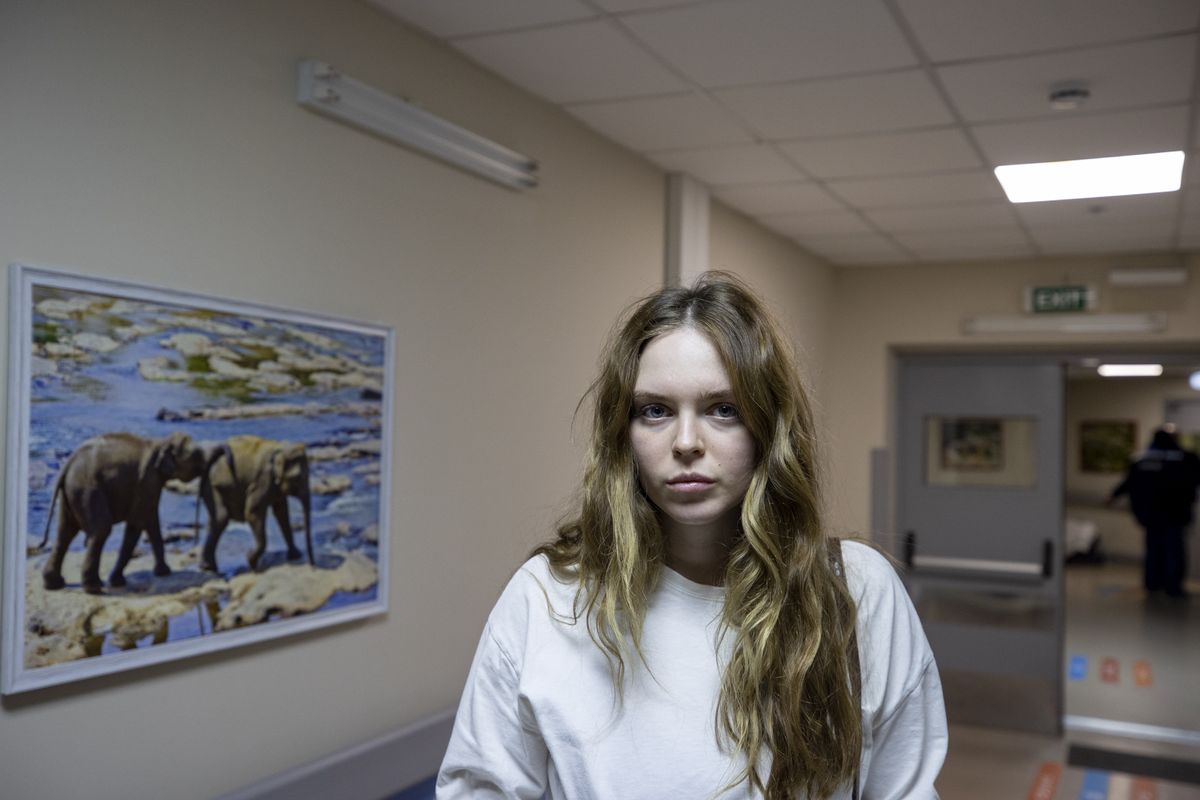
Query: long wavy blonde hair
x=786, y=690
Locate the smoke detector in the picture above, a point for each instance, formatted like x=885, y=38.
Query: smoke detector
x=1069, y=95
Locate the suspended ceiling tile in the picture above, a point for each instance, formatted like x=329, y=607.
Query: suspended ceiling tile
x=1111, y=238
x=617, y=6
x=891, y=101
x=1099, y=212
x=968, y=29
x=662, y=123
x=1191, y=169
x=1191, y=204
x=986, y=243
x=938, y=252
x=802, y=225
x=778, y=198
x=923, y=190
x=718, y=166
x=591, y=60
x=850, y=250
x=961, y=216
x=1093, y=136
x=757, y=41
x=1190, y=229
x=460, y=17
x=891, y=154
x=1139, y=74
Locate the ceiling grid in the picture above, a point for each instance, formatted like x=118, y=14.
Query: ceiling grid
x=867, y=130
x=932, y=74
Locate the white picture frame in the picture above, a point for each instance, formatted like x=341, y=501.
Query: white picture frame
x=89, y=360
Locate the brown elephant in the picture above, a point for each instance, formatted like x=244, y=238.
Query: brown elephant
x=118, y=477
x=261, y=476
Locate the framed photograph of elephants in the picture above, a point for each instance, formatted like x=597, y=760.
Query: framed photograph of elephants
x=185, y=474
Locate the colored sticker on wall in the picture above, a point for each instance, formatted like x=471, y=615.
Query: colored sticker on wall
x=1045, y=783
x=1095, y=785
x=1110, y=670
x=1142, y=674
x=1143, y=789
x=1078, y=668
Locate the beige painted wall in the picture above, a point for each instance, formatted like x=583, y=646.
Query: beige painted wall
x=798, y=286
x=881, y=309
x=160, y=142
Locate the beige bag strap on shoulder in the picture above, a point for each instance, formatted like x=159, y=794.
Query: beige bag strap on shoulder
x=839, y=569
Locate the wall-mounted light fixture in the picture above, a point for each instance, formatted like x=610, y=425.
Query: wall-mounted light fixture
x=1065, y=323
x=1135, y=277
x=323, y=89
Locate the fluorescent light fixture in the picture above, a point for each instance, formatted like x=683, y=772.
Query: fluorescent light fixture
x=323, y=89
x=1129, y=370
x=1130, y=276
x=1092, y=177
x=1065, y=323
x=1194, y=380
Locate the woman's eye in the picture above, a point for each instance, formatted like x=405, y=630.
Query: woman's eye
x=725, y=411
x=653, y=411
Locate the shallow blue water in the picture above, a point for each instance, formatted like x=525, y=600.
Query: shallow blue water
x=108, y=394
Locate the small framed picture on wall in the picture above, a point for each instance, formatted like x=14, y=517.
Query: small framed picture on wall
x=1106, y=446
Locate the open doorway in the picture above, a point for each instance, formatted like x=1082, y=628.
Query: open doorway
x=1075, y=634
x=1132, y=658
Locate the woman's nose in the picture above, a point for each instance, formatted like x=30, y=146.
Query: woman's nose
x=687, y=436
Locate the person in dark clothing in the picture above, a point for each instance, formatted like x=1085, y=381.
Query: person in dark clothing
x=1162, y=487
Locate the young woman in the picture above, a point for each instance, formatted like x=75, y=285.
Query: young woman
x=691, y=633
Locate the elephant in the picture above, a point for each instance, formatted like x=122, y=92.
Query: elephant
x=261, y=475
x=118, y=477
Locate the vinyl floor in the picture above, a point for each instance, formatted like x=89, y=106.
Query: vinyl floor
x=1137, y=657
x=1130, y=658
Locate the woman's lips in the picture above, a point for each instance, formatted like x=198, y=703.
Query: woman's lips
x=690, y=483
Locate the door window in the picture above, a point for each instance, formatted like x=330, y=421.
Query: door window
x=981, y=451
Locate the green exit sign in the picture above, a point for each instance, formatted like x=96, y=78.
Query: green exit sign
x=1059, y=299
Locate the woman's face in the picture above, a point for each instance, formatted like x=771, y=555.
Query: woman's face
x=694, y=455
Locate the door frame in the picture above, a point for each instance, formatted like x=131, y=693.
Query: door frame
x=884, y=464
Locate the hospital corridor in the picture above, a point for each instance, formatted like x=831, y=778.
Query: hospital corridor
x=843, y=353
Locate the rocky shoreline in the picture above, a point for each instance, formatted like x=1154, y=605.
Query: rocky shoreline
x=68, y=624
x=203, y=352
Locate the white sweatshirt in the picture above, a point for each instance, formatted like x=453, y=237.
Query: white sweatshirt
x=538, y=714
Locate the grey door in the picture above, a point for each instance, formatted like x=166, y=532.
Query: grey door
x=979, y=494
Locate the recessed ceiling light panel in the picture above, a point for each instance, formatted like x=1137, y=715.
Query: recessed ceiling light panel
x=1092, y=177
x=1130, y=370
